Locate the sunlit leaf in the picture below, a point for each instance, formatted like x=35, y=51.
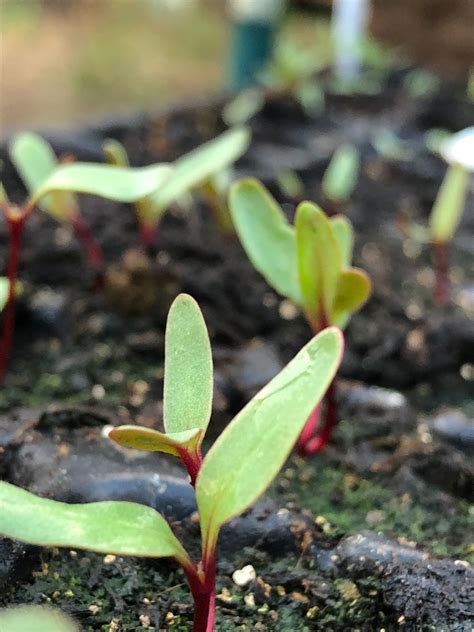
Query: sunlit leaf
x=319, y=261
x=4, y=289
x=340, y=177
x=245, y=105
x=121, y=528
x=197, y=166
x=251, y=450
x=353, y=290
x=449, y=203
x=35, y=618
x=267, y=237
x=344, y=234
x=188, y=383
x=115, y=153
x=141, y=438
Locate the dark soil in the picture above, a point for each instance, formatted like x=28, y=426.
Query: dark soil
x=399, y=463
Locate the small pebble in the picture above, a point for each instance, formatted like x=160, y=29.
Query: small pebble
x=244, y=576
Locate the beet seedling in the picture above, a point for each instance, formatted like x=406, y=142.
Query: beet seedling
x=197, y=170
x=458, y=151
x=309, y=263
x=234, y=473
x=340, y=177
x=121, y=185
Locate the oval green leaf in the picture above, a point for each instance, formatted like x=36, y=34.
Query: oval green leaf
x=353, y=290
x=249, y=453
x=449, y=203
x=121, y=528
x=266, y=236
x=115, y=153
x=37, y=618
x=340, y=177
x=319, y=262
x=141, y=438
x=188, y=383
x=344, y=234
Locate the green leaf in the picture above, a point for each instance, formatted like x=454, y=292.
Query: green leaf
x=141, y=438
x=353, y=290
x=319, y=262
x=251, y=450
x=122, y=184
x=4, y=290
x=344, y=234
x=340, y=177
x=187, y=401
x=197, y=166
x=267, y=237
x=121, y=528
x=37, y=618
x=115, y=153
x=449, y=203
x=35, y=162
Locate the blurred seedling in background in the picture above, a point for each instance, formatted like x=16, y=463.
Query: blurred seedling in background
x=340, y=178
x=37, y=618
x=310, y=264
x=203, y=170
x=238, y=468
x=50, y=190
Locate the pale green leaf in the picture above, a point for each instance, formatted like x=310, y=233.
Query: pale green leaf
x=340, y=177
x=449, y=203
x=187, y=401
x=4, y=290
x=319, y=262
x=142, y=438
x=251, y=450
x=344, y=234
x=197, y=166
x=122, y=184
x=35, y=619
x=115, y=153
x=353, y=290
x=267, y=237
x=121, y=528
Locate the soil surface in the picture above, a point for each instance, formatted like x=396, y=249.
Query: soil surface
x=374, y=532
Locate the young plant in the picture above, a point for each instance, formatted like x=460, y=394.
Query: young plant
x=340, y=177
x=196, y=170
x=234, y=473
x=309, y=263
x=458, y=152
x=121, y=185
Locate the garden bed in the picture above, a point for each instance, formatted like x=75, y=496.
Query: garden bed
x=374, y=532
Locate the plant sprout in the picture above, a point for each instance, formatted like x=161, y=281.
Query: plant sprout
x=340, y=177
x=309, y=263
x=458, y=151
x=121, y=185
x=196, y=170
x=234, y=473
x=38, y=618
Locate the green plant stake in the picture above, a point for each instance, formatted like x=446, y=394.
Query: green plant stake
x=340, y=177
x=196, y=170
x=234, y=473
x=309, y=263
x=458, y=151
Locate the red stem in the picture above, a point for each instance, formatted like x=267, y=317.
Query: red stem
x=309, y=430
x=203, y=588
x=441, y=266
x=192, y=461
x=16, y=222
x=95, y=256
x=147, y=231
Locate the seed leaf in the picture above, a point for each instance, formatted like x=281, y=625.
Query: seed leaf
x=249, y=453
x=117, y=527
x=151, y=440
x=122, y=184
x=319, y=260
x=38, y=618
x=449, y=203
x=344, y=234
x=115, y=153
x=197, y=166
x=267, y=237
x=340, y=177
x=188, y=383
x=353, y=290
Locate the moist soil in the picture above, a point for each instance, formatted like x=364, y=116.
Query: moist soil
x=372, y=533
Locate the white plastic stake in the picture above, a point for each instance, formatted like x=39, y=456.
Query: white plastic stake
x=349, y=24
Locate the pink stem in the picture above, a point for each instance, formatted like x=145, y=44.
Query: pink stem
x=440, y=255
x=204, y=595
x=95, y=256
x=320, y=441
x=147, y=231
x=309, y=430
x=192, y=461
x=16, y=224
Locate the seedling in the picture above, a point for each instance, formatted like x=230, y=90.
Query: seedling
x=309, y=263
x=196, y=170
x=458, y=152
x=234, y=473
x=121, y=185
x=340, y=177
x=39, y=618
